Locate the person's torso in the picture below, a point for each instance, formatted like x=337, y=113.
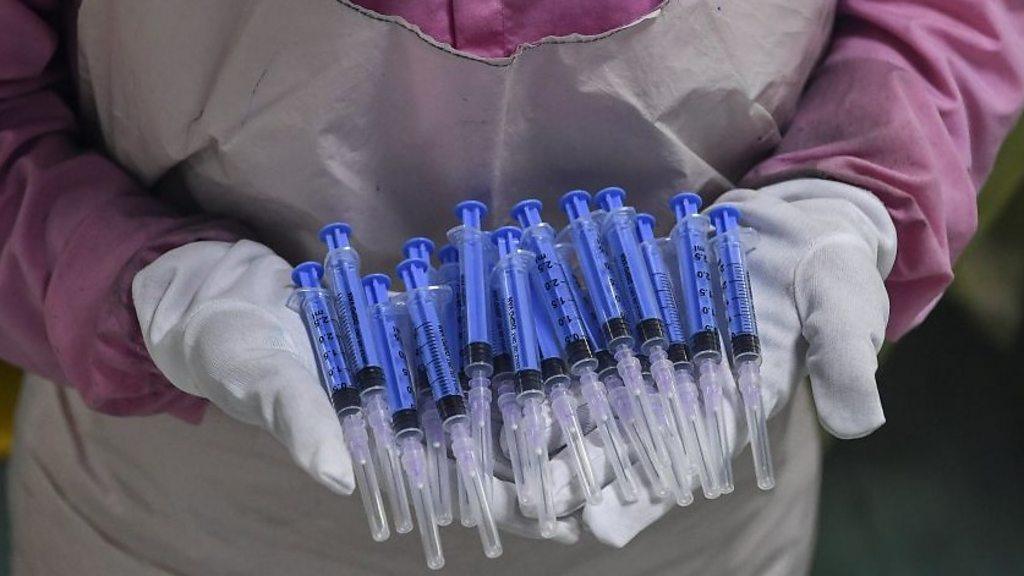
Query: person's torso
x=290, y=115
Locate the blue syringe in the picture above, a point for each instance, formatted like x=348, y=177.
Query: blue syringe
x=557, y=383
x=401, y=395
x=682, y=398
x=422, y=306
x=311, y=302
x=627, y=259
x=555, y=286
x=503, y=382
x=690, y=237
x=745, y=346
x=598, y=275
x=341, y=271
x=477, y=362
x=430, y=419
x=512, y=281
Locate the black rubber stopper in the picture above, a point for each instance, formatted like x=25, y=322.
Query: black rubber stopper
x=528, y=380
x=679, y=354
x=343, y=398
x=405, y=419
x=478, y=353
x=615, y=328
x=704, y=341
x=605, y=362
x=578, y=351
x=449, y=406
x=503, y=364
x=370, y=377
x=745, y=344
x=645, y=363
x=552, y=367
x=651, y=329
x=422, y=382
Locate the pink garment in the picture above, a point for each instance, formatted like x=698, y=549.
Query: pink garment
x=925, y=91
x=74, y=229
x=912, y=102
x=496, y=28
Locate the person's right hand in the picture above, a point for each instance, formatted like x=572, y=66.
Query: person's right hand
x=215, y=321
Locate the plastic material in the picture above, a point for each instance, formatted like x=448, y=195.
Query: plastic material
x=745, y=347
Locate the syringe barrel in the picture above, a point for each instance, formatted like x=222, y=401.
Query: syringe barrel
x=512, y=280
x=502, y=359
x=553, y=369
x=430, y=339
x=690, y=237
x=401, y=390
x=619, y=230
x=341, y=268
x=449, y=275
x=735, y=283
x=550, y=277
x=661, y=279
x=311, y=302
x=471, y=242
x=597, y=269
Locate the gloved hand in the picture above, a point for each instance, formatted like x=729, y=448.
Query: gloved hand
x=817, y=276
x=215, y=322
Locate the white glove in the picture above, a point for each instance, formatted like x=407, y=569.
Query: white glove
x=817, y=276
x=215, y=322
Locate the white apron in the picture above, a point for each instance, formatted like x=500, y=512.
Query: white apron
x=287, y=115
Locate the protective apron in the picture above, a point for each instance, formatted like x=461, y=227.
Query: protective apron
x=289, y=115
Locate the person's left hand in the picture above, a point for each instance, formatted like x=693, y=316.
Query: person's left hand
x=817, y=280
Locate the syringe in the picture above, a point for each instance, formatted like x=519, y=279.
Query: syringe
x=503, y=382
x=690, y=237
x=682, y=398
x=557, y=382
x=401, y=395
x=341, y=269
x=745, y=346
x=554, y=283
x=311, y=302
x=604, y=297
x=512, y=281
x=450, y=276
x=444, y=386
x=619, y=230
x=472, y=244
x=430, y=420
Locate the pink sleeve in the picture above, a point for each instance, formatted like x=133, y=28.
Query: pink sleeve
x=74, y=229
x=912, y=103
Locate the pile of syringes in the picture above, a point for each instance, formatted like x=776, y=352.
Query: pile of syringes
x=642, y=353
